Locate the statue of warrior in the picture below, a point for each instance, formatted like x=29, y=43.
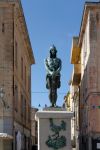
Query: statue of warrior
x=53, y=67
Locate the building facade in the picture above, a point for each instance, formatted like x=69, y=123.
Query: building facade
x=34, y=127
x=16, y=58
x=71, y=103
x=74, y=88
x=85, y=55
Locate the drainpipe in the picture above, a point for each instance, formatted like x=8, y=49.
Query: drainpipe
x=13, y=144
x=79, y=121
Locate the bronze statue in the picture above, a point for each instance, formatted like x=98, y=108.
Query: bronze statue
x=53, y=67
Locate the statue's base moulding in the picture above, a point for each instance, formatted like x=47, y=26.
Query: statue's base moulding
x=54, y=129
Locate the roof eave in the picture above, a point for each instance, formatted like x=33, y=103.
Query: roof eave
x=88, y=6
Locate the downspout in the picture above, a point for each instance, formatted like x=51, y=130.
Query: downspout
x=13, y=144
x=79, y=122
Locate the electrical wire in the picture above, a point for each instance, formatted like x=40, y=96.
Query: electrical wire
x=61, y=93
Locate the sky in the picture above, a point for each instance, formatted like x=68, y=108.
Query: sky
x=51, y=22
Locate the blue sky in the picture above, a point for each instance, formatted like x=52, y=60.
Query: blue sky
x=51, y=22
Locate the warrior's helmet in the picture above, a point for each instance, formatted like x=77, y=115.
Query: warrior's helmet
x=53, y=51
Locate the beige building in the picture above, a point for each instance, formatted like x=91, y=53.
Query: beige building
x=16, y=58
x=34, y=126
x=75, y=90
x=85, y=56
x=71, y=104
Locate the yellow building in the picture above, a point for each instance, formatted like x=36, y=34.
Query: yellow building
x=16, y=58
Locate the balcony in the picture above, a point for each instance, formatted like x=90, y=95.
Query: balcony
x=75, y=51
x=76, y=75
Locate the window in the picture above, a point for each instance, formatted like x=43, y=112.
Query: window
x=3, y=27
x=25, y=75
x=29, y=83
x=29, y=117
x=15, y=140
x=21, y=67
x=29, y=80
x=21, y=105
x=16, y=98
x=16, y=48
x=24, y=108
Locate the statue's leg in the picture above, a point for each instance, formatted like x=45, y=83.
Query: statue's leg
x=53, y=91
x=55, y=97
x=51, y=98
x=48, y=81
x=58, y=81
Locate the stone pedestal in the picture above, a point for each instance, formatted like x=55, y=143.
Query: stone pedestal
x=54, y=130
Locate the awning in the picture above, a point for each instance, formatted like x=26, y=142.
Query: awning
x=5, y=136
